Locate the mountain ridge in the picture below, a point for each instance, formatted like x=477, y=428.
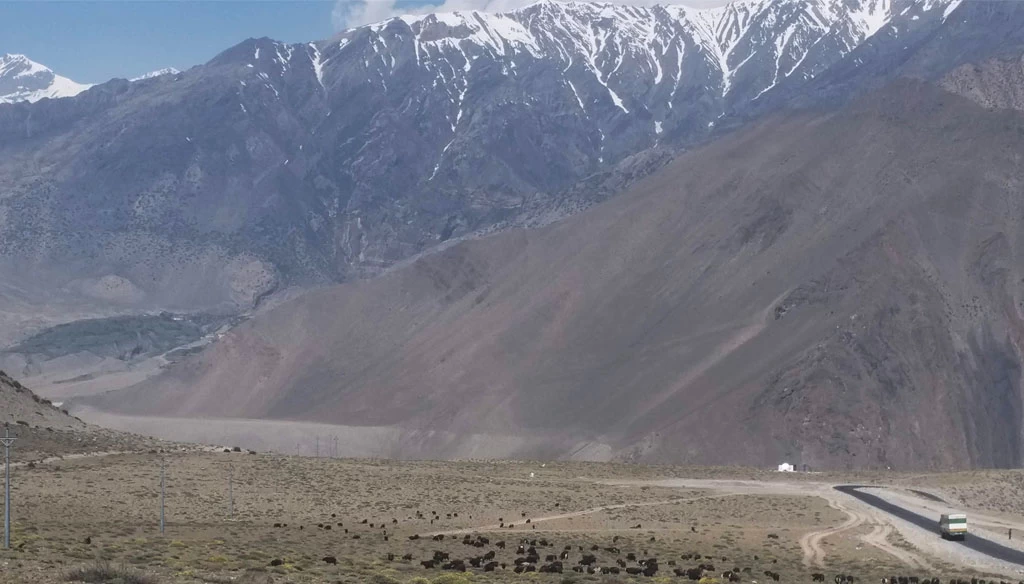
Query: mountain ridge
x=278, y=165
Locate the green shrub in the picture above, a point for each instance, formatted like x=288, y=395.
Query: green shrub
x=453, y=579
x=105, y=572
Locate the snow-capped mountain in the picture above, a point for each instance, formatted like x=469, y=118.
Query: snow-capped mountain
x=157, y=73
x=22, y=79
x=283, y=164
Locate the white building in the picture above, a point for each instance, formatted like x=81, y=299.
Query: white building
x=786, y=467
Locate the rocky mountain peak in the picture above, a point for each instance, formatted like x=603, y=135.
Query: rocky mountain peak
x=22, y=79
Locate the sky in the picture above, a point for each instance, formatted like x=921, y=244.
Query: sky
x=91, y=41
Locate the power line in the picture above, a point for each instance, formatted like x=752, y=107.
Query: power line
x=7, y=441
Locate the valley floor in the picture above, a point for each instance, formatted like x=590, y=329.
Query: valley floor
x=366, y=514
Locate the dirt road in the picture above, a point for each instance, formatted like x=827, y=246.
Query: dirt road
x=885, y=521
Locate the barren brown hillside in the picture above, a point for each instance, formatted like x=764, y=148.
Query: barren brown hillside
x=838, y=289
x=44, y=430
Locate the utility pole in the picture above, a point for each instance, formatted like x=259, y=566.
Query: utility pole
x=7, y=441
x=231, y=493
x=162, y=462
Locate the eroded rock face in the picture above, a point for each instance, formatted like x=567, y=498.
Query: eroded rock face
x=995, y=83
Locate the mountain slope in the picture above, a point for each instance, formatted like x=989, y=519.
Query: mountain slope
x=22, y=79
x=839, y=289
x=278, y=164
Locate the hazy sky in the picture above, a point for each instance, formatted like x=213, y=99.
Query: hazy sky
x=92, y=41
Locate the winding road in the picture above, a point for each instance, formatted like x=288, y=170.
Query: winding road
x=973, y=542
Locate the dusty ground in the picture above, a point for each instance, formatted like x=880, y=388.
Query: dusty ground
x=785, y=527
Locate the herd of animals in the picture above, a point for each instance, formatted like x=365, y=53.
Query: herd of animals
x=541, y=555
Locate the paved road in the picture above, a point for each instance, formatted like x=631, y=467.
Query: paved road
x=973, y=542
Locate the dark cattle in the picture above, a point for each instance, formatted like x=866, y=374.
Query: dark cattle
x=612, y=550
x=407, y=557
x=549, y=558
x=391, y=557
x=552, y=568
x=578, y=569
x=521, y=550
x=414, y=537
x=440, y=556
x=772, y=536
x=591, y=570
x=594, y=548
x=330, y=560
x=489, y=555
x=531, y=551
x=490, y=566
x=588, y=560
x=364, y=522
x=276, y=562
x=544, y=543
x=620, y=562
x=500, y=545
x=277, y=525
x=519, y=569
x=633, y=571
x=564, y=556
x=637, y=526
x=456, y=565
x=355, y=537
x=438, y=537
x=631, y=557
x=327, y=528
x=527, y=520
x=428, y=564
x=817, y=577
x=475, y=562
